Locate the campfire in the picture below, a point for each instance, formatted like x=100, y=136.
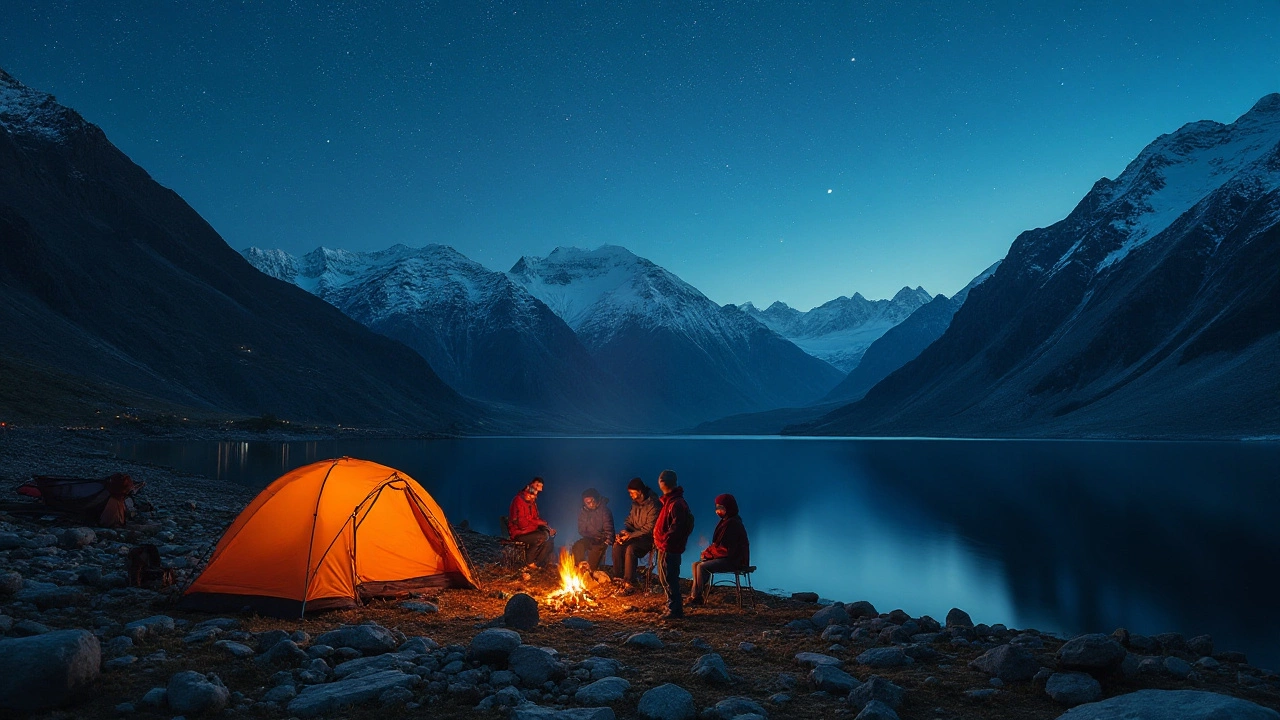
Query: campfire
x=573, y=594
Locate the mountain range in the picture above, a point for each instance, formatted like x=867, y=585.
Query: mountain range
x=841, y=330
x=1150, y=310
x=115, y=293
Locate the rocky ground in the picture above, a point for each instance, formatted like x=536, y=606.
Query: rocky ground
x=79, y=642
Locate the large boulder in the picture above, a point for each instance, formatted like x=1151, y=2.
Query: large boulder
x=861, y=609
x=1073, y=688
x=1095, y=653
x=884, y=657
x=315, y=700
x=493, y=646
x=830, y=615
x=667, y=702
x=521, y=612
x=876, y=688
x=1010, y=663
x=534, y=666
x=958, y=618
x=602, y=692
x=192, y=693
x=1171, y=705
x=48, y=595
x=45, y=671
x=368, y=639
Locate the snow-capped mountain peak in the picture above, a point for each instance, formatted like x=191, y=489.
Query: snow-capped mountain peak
x=28, y=112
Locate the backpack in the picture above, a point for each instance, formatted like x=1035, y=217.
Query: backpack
x=688, y=519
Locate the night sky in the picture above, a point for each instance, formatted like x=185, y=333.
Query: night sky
x=761, y=151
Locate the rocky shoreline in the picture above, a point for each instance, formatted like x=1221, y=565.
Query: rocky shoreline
x=78, y=641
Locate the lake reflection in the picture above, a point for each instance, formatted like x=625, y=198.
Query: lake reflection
x=1064, y=536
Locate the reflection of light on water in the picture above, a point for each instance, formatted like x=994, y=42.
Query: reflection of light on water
x=852, y=556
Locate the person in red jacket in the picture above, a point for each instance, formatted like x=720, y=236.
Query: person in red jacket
x=729, y=549
x=670, y=535
x=525, y=525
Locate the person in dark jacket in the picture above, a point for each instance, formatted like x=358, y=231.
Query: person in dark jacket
x=636, y=539
x=525, y=525
x=670, y=535
x=595, y=525
x=729, y=549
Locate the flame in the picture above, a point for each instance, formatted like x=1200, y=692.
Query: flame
x=572, y=594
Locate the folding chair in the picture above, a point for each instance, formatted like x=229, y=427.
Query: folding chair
x=738, y=575
x=514, y=552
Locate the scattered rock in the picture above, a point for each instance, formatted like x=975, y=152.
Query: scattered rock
x=876, y=688
x=395, y=696
x=28, y=628
x=280, y=694
x=710, y=668
x=1171, y=705
x=884, y=657
x=47, y=670
x=861, y=609
x=285, y=652
x=808, y=597
x=831, y=615
x=1073, y=688
x=1177, y=667
x=1201, y=645
x=155, y=698
x=534, y=665
x=417, y=645
x=371, y=665
x=876, y=710
x=531, y=711
x=368, y=639
x=154, y=626
x=420, y=606
x=76, y=538
x=1010, y=663
x=235, y=649
x=602, y=692
x=812, y=659
x=192, y=692
x=981, y=693
x=521, y=612
x=644, y=640
x=1091, y=653
x=667, y=702
x=833, y=680
x=493, y=645
x=736, y=707
x=577, y=623
x=48, y=595
x=601, y=667
x=317, y=700
x=10, y=582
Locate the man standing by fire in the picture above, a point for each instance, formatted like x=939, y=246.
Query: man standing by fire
x=525, y=525
x=670, y=535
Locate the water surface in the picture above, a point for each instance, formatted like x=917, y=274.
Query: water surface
x=1060, y=536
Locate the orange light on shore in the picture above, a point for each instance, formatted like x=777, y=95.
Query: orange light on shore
x=573, y=594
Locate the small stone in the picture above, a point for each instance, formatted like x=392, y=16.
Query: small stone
x=119, y=663
x=746, y=647
x=646, y=639
x=878, y=689
x=884, y=657
x=155, y=698
x=368, y=639
x=831, y=615
x=534, y=665
x=10, y=582
x=876, y=710
x=1095, y=652
x=1010, y=663
x=1201, y=645
x=667, y=702
x=812, y=659
x=153, y=626
x=577, y=623
x=395, y=696
x=1177, y=667
x=1073, y=688
x=604, y=691
x=420, y=606
x=285, y=652
x=710, y=668
x=737, y=707
x=280, y=694
x=808, y=597
x=235, y=649
x=192, y=692
x=521, y=612
x=76, y=538
x=493, y=646
x=833, y=680
x=981, y=693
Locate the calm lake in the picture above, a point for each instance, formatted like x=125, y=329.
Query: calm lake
x=1076, y=536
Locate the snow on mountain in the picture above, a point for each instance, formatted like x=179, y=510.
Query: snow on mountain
x=484, y=334
x=24, y=111
x=690, y=358
x=841, y=330
x=1149, y=310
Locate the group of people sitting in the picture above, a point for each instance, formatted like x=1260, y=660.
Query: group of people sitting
x=655, y=522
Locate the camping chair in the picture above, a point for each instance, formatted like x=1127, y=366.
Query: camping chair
x=738, y=575
x=513, y=551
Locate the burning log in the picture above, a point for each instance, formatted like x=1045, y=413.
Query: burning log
x=573, y=594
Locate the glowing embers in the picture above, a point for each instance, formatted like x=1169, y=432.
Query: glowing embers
x=573, y=594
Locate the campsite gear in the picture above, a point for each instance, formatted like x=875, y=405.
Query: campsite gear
x=738, y=575
x=331, y=535
x=147, y=570
x=106, y=501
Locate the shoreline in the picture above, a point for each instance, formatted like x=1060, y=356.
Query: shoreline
x=927, y=660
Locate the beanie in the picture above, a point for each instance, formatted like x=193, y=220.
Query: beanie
x=590, y=493
x=636, y=484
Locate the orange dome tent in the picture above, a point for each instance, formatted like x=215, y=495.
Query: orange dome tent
x=328, y=535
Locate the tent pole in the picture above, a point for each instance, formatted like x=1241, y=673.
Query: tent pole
x=315, y=515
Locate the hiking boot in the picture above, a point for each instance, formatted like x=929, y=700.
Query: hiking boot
x=628, y=590
x=694, y=601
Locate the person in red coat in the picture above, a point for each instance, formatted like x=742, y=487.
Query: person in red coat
x=729, y=549
x=670, y=535
x=525, y=525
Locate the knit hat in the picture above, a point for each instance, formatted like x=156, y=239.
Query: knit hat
x=591, y=493
x=637, y=484
x=667, y=477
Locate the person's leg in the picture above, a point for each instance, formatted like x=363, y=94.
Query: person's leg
x=671, y=581
x=580, y=550
x=532, y=545
x=702, y=572
x=619, y=559
x=594, y=552
x=548, y=547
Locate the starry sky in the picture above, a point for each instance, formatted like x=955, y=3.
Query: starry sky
x=760, y=150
